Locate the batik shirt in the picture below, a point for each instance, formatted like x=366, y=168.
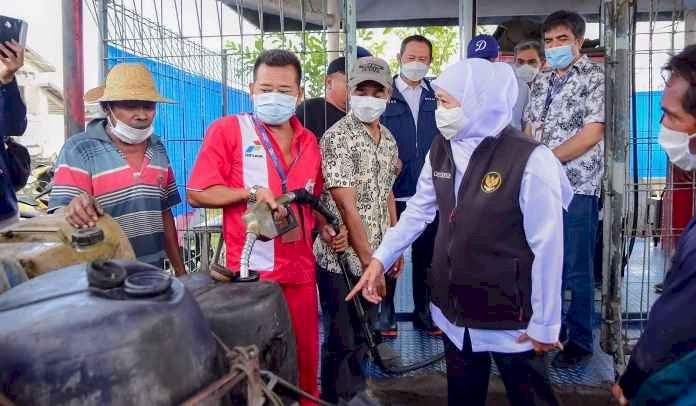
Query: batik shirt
x=351, y=159
x=577, y=99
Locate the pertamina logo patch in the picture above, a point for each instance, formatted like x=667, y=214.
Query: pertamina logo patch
x=254, y=150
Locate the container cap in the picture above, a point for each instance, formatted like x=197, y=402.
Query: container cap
x=87, y=237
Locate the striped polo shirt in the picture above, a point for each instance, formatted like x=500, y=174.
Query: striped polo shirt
x=91, y=162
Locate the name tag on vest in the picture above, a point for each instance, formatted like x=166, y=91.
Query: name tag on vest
x=443, y=175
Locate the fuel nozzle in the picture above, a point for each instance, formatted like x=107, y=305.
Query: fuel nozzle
x=262, y=225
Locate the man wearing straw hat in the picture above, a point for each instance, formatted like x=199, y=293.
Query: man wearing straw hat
x=118, y=166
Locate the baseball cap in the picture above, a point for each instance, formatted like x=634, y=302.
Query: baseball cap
x=483, y=46
x=370, y=69
x=339, y=64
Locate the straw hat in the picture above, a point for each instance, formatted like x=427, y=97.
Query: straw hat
x=131, y=81
x=93, y=95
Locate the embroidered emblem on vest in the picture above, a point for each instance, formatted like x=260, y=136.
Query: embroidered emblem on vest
x=491, y=182
x=443, y=175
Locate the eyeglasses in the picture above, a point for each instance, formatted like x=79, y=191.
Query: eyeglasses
x=668, y=75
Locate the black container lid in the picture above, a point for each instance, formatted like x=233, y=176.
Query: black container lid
x=87, y=237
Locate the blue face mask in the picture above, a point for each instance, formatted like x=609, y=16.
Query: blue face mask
x=559, y=57
x=274, y=108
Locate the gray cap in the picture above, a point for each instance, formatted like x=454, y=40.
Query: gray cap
x=370, y=69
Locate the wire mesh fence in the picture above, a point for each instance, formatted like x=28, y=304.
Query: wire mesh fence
x=659, y=197
x=201, y=54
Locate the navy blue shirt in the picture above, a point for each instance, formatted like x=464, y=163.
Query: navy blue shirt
x=671, y=329
x=13, y=122
x=412, y=140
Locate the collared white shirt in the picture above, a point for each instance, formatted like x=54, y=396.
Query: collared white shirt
x=412, y=95
x=544, y=192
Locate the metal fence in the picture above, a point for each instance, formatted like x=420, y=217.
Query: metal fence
x=656, y=200
x=201, y=54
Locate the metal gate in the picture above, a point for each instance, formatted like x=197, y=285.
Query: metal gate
x=647, y=200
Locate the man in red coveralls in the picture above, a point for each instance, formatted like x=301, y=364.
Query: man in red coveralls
x=249, y=158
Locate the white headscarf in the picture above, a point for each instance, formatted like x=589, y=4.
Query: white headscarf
x=487, y=92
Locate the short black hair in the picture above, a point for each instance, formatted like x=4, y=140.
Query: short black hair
x=338, y=65
x=569, y=19
x=684, y=64
x=416, y=38
x=530, y=44
x=279, y=58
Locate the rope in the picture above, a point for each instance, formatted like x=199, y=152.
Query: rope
x=239, y=357
x=271, y=376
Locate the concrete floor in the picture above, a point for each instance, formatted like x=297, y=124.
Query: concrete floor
x=585, y=385
x=431, y=390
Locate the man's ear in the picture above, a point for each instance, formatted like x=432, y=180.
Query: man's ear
x=398, y=57
x=251, y=88
x=300, y=96
x=581, y=41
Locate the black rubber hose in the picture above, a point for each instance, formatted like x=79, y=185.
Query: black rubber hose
x=386, y=365
x=634, y=154
x=303, y=197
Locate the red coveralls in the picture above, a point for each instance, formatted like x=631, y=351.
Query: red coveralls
x=233, y=155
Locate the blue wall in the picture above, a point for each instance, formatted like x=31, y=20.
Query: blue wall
x=182, y=125
x=652, y=161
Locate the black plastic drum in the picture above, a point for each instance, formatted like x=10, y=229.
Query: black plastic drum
x=254, y=313
x=144, y=342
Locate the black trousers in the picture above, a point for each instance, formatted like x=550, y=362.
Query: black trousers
x=344, y=348
x=524, y=375
x=421, y=257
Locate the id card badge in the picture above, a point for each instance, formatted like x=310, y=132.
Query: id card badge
x=538, y=132
x=293, y=235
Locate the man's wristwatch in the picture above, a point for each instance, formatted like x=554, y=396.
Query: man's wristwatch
x=252, y=194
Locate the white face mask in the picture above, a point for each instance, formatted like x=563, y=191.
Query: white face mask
x=414, y=71
x=274, y=108
x=128, y=134
x=367, y=109
x=526, y=72
x=450, y=121
x=676, y=145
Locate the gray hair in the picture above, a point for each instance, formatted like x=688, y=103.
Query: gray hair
x=529, y=44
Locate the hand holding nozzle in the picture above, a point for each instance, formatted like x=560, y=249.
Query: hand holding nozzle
x=262, y=195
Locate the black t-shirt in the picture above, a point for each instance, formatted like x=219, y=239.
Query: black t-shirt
x=318, y=115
